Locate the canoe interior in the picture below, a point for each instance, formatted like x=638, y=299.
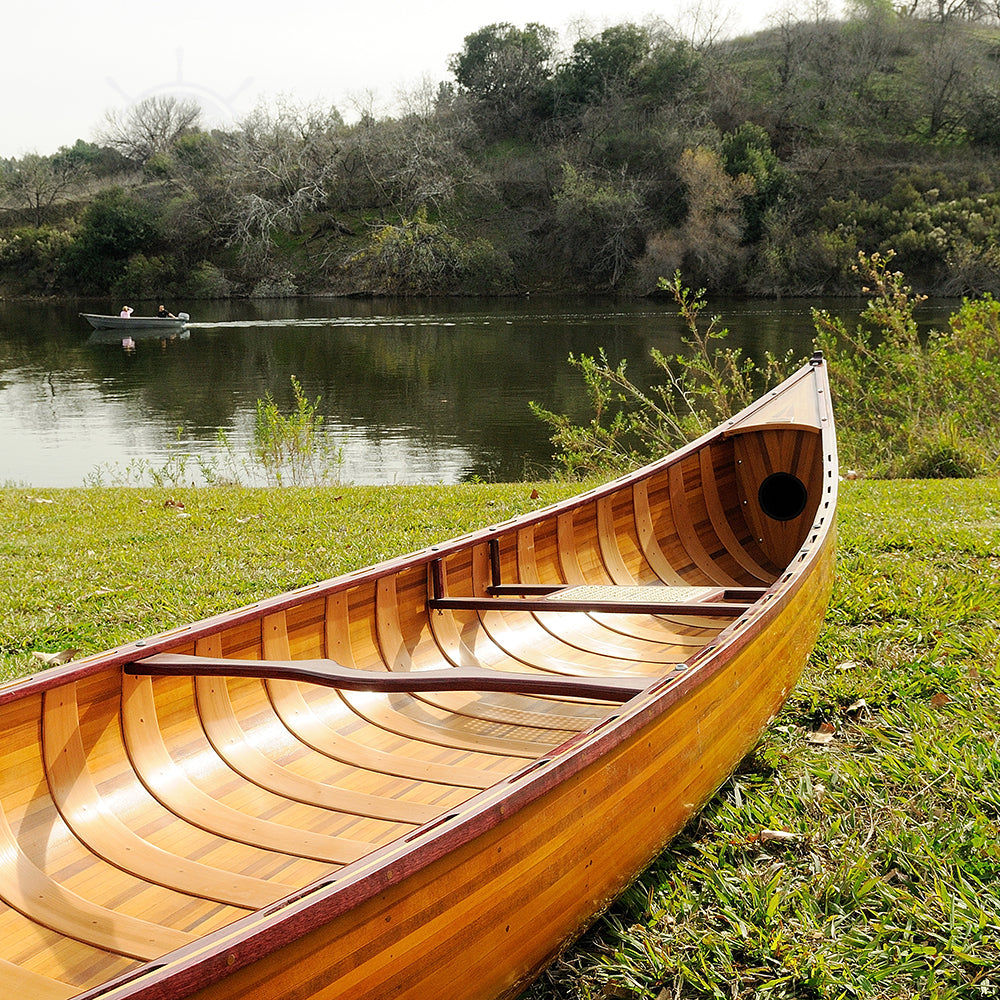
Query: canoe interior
x=147, y=815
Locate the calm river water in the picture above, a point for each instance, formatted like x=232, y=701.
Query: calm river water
x=411, y=392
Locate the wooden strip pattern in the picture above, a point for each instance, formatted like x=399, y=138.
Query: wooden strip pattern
x=690, y=537
x=28, y=889
x=298, y=716
x=722, y=524
x=231, y=742
x=608, y=540
x=171, y=786
x=410, y=943
x=16, y=981
x=80, y=803
x=650, y=543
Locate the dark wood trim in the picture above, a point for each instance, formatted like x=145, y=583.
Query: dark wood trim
x=329, y=673
x=712, y=609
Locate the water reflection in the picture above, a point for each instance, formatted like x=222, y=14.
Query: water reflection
x=411, y=392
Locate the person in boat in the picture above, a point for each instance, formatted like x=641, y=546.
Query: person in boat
x=163, y=314
x=126, y=312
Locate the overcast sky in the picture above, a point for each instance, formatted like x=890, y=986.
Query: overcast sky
x=66, y=64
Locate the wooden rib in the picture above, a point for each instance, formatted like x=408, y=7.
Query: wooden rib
x=644, y=627
x=399, y=714
x=648, y=540
x=167, y=782
x=471, y=642
x=720, y=521
x=682, y=636
x=538, y=650
x=688, y=533
x=16, y=981
x=523, y=639
x=569, y=557
x=230, y=741
x=607, y=538
x=417, y=653
x=337, y=645
x=298, y=717
x=587, y=633
x=488, y=641
x=507, y=707
x=79, y=802
x=470, y=645
x=29, y=890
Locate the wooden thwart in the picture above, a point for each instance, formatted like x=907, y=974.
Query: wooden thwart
x=329, y=673
x=715, y=602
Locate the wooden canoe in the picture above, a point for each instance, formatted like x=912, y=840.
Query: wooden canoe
x=423, y=778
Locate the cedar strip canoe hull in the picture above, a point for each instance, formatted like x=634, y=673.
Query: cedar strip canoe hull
x=180, y=832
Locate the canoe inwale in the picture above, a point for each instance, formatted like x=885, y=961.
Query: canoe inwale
x=422, y=778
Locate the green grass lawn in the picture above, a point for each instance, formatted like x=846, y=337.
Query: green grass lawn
x=855, y=853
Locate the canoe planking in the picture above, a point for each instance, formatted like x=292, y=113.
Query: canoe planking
x=424, y=777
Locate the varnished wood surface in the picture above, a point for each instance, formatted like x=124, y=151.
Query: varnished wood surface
x=251, y=822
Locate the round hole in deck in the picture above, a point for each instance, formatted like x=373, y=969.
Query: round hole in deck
x=782, y=496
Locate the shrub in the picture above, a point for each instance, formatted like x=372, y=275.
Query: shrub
x=113, y=228
x=207, y=281
x=632, y=425
x=910, y=405
x=144, y=278
x=30, y=259
x=420, y=257
x=290, y=447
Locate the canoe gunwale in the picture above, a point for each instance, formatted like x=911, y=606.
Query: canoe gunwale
x=256, y=935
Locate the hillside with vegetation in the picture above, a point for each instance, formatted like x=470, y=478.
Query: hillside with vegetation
x=760, y=165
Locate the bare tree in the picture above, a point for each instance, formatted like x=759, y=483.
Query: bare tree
x=703, y=23
x=150, y=126
x=280, y=165
x=36, y=182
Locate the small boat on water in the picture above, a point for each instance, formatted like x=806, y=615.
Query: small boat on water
x=167, y=324
x=423, y=778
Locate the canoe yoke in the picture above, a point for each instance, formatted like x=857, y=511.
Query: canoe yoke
x=329, y=673
x=716, y=602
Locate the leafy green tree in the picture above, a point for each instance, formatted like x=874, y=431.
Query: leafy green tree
x=30, y=259
x=114, y=226
x=601, y=64
x=671, y=67
x=506, y=70
x=747, y=153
